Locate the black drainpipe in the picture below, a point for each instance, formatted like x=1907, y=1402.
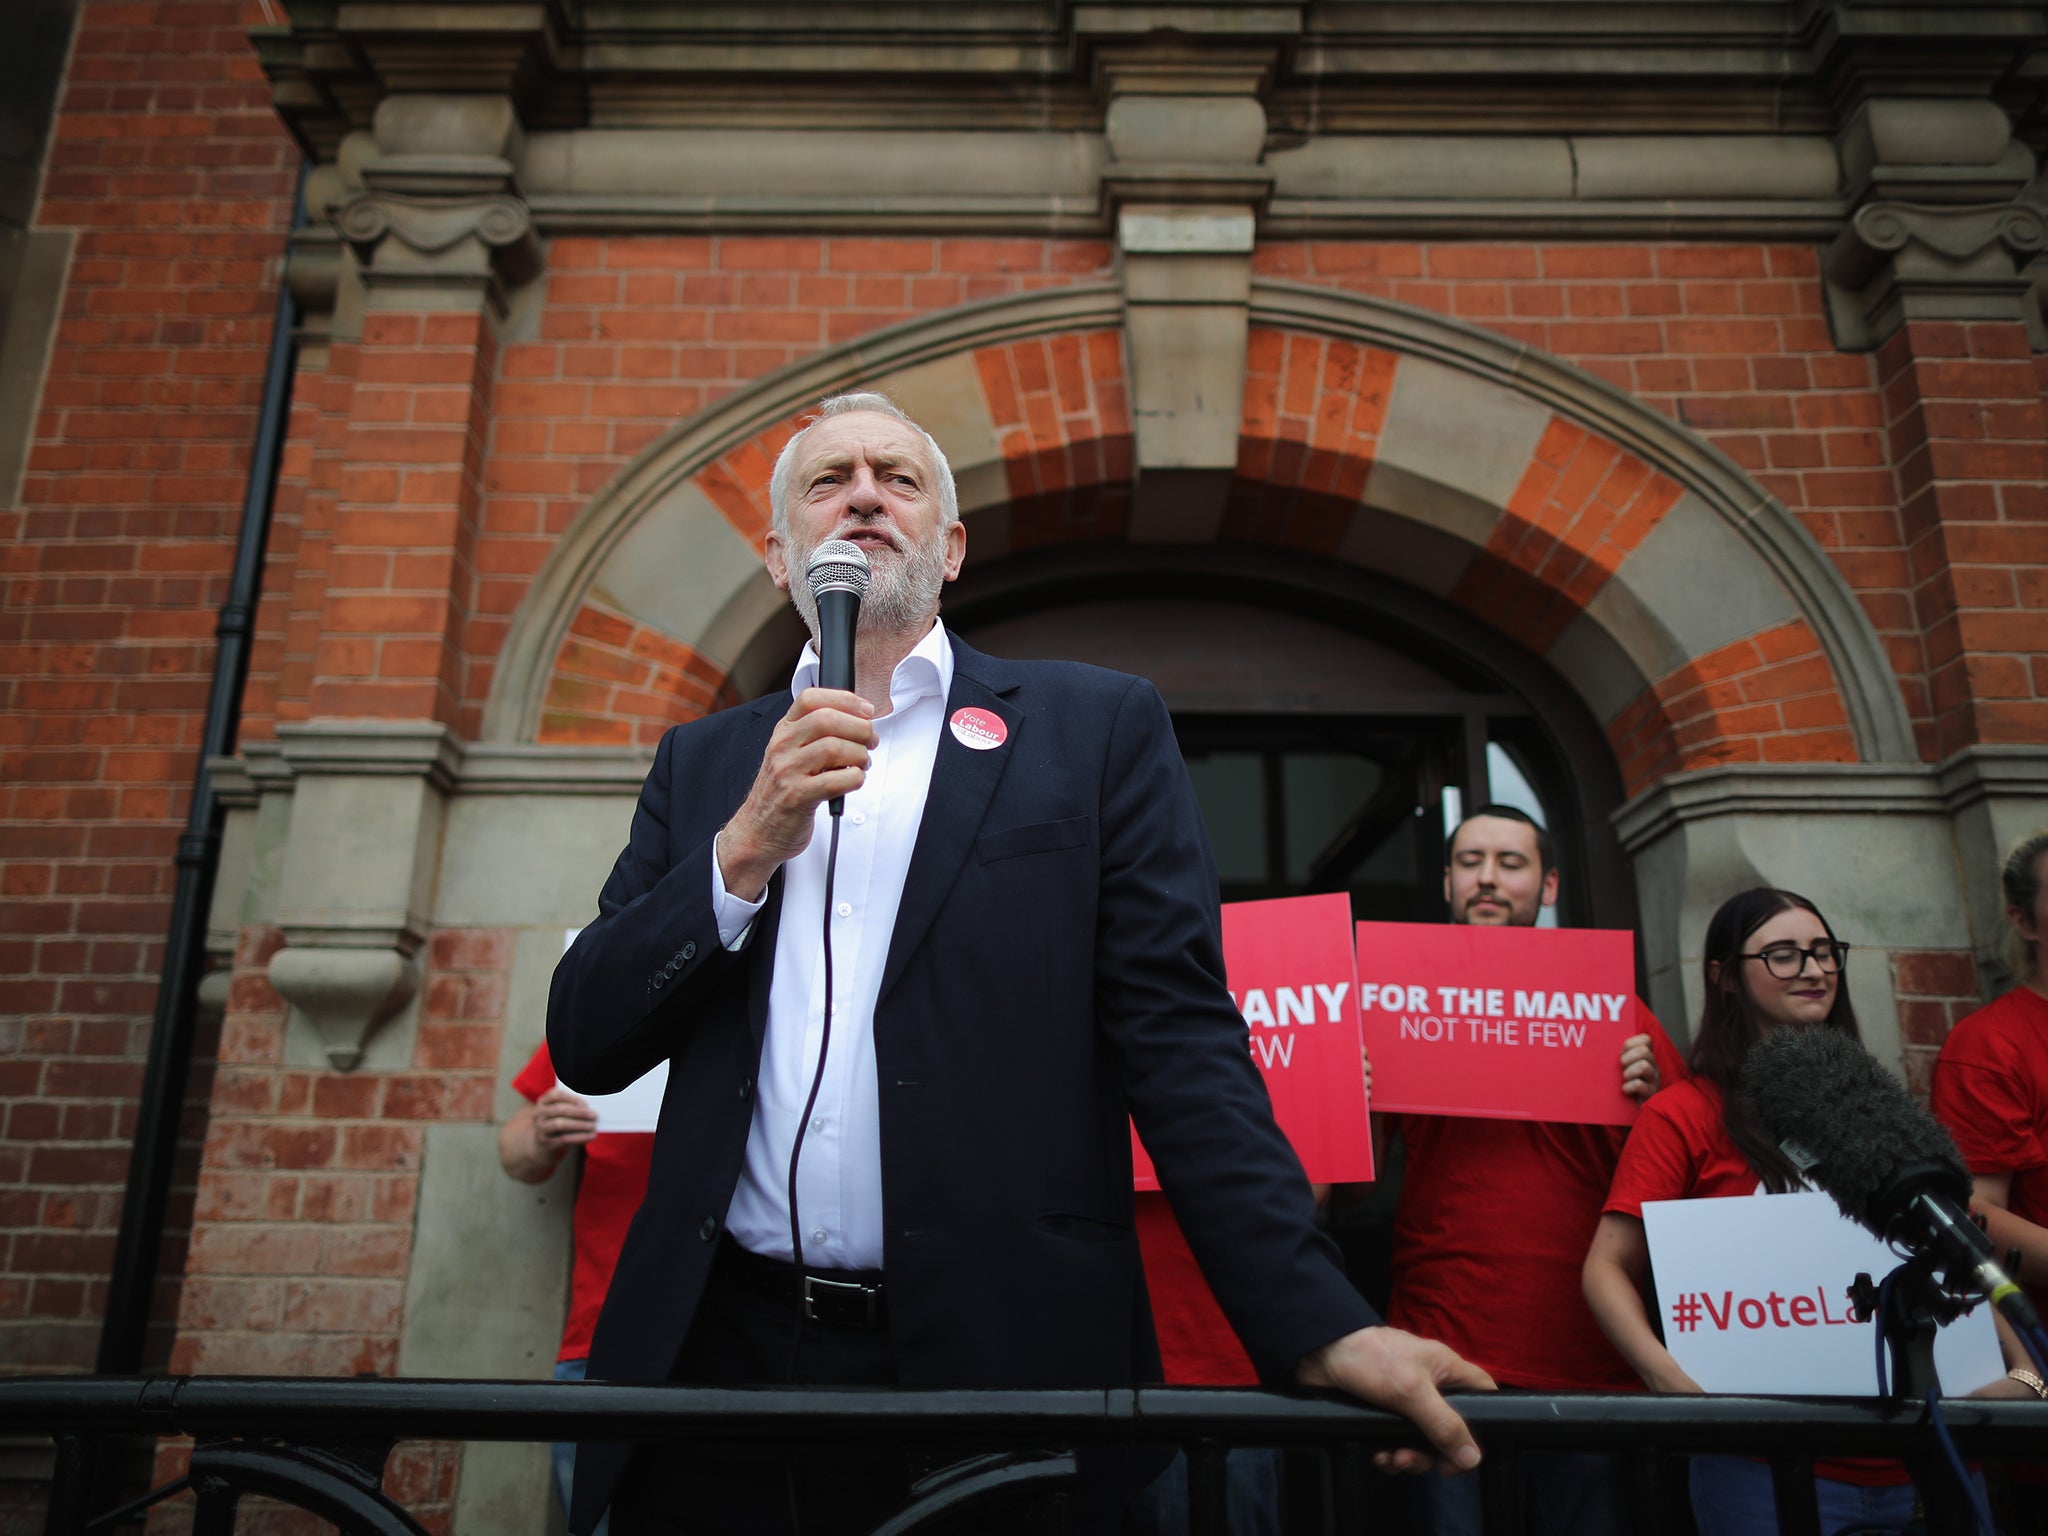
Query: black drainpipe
x=137, y=1248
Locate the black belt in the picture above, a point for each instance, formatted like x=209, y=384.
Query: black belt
x=845, y=1298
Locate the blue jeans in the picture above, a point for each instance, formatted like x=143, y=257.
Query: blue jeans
x=1251, y=1487
x=1731, y=1496
x=1564, y=1493
x=565, y=1455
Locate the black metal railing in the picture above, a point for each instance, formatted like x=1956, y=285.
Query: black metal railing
x=321, y=1444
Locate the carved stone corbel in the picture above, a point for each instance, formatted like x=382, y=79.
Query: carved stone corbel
x=435, y=203
x=1897, y=262
x=1941, y=230
x=346, y=990
x=357, y=876
x=1185, y=183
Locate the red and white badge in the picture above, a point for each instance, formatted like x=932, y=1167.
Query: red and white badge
x=979, y=729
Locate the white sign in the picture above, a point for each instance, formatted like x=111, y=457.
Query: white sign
x=637, y=1106
x=1755, y=1299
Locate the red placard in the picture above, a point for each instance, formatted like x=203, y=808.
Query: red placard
x=1502, y=1023
x=1294, y=977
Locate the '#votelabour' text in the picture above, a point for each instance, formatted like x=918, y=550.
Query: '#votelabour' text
x=1690, y=1308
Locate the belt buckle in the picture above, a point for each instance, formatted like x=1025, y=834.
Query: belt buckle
x=810, y=1299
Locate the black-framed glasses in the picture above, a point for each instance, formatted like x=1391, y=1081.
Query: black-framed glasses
x=1785, y=961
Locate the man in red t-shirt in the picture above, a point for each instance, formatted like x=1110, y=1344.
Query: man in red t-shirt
x=1495, y=1217
x=531, y=1146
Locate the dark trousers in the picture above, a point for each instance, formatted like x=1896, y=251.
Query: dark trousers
x=740, y=1338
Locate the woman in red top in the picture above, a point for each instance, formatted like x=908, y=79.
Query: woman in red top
x=1771, y=962
x=1991, y=1082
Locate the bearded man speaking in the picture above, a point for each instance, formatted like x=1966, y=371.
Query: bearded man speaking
x=893, y=1148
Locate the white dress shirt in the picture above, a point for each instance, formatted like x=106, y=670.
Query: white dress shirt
x=839, y=1178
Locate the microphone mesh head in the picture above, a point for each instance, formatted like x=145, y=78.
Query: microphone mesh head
x=837, y=565
x=1856, y=1122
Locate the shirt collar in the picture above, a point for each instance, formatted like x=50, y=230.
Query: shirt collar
x=927, y=670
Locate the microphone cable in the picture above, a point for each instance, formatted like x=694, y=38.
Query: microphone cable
x=796, y=1152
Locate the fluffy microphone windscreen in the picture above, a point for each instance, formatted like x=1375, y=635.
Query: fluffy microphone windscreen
x=1820, y=1091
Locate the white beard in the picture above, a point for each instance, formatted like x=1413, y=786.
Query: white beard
x=903, y=589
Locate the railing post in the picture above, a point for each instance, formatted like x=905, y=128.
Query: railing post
x=217, y=1500
x=70, y=1487
x=1500, y=1492
x=1349, y=1494
x=1208, y=1490
x=1797, y=1499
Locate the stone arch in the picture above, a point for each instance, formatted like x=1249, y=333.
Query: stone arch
x=1686, y=605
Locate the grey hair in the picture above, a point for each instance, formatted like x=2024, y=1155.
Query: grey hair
x=2022, y=879
x=845, y=405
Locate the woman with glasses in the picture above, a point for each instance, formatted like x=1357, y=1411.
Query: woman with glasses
x=1772, y=962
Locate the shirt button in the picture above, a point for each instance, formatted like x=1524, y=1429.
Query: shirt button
x=818, y=1236
x=846, y=909
x=860, y=818
x=818, y=1124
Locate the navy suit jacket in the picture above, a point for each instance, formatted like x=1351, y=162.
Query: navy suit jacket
x=1056, y=966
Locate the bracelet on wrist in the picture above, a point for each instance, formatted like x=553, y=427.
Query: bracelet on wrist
x=2027, y=1378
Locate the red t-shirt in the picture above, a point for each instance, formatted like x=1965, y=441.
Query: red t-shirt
x=1196, y=1343
x=1491, y=1232
x=1991, y=1091
x=615, y=1167
x=1680, y=1150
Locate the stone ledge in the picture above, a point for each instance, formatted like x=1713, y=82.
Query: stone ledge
x=1990, y=772
x=375, y=747
x=1790, y=788
x=459, y=768
x=1807, y=789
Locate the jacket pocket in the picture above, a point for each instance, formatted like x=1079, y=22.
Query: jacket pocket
x=1038, y=837
x=1086, y=1229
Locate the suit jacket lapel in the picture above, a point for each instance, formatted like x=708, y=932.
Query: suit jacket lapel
x=741, y=766
x=963, y=782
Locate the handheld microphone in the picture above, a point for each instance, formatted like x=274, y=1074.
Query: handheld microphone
x=1854, y=1130
x=838, y=577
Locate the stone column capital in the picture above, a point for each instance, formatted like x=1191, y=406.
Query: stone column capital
x=1940, y=226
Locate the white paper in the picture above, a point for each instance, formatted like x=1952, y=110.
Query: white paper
x=636, y=1107
x=1755, y=1299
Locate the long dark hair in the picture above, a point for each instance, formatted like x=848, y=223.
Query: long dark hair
x=1729, y=1024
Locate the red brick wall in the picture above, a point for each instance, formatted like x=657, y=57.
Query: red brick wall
x=168, y=164
x=1730, y=340
x=1968, y=432
x=1935, y=989
x=309, y=1180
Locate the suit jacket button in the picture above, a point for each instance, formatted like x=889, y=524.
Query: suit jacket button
x=746, y=1086
x=689, y=952
x=658, y=980
x=709, y=1230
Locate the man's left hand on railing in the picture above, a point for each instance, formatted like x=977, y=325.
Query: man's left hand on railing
x=1395, y=1370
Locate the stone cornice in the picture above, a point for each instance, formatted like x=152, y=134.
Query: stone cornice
x=1477, y=65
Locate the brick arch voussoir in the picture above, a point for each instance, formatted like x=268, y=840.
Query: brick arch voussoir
x=1591, y=529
